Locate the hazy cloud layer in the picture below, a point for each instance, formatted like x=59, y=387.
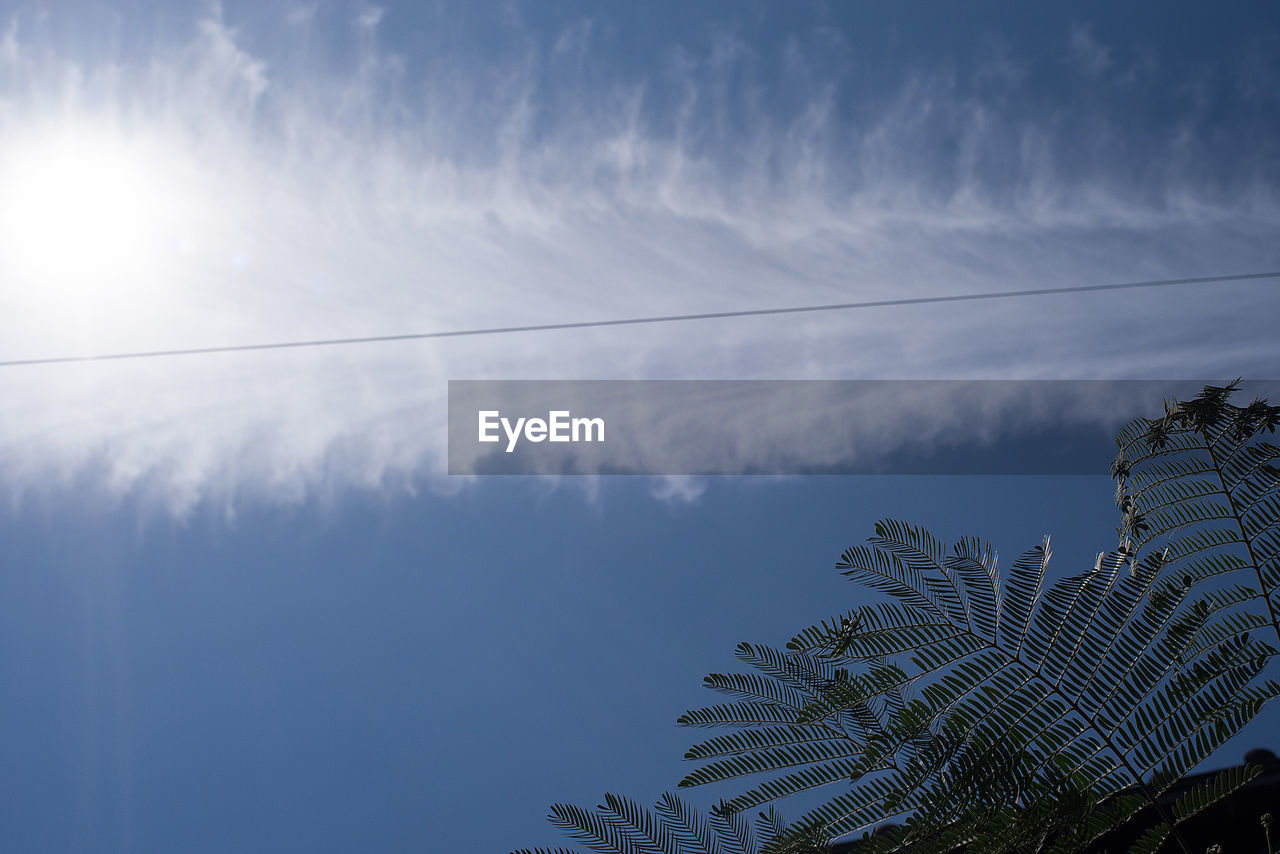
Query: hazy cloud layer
x=270, y=180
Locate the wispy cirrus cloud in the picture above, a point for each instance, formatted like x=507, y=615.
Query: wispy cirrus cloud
x=290, y=179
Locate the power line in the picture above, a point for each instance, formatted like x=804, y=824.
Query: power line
x=636, y=321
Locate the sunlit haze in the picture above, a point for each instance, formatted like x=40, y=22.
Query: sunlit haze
x=244, y=606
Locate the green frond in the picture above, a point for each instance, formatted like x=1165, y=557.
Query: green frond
x=1056, y=614
x=890, y=574
x=650, y=830
x=925, y=555
x=600, y=831
x=740, y=714
x=734, y=832
x=977, y=568
x=1187, y=704
x=1203, y=480
x=746, y=741
x=1076, y=628
x=873, y=632
x=1217, y=787
x=621, y=826
x=799, y=669
x=814, y=753
x=947, y=651
x=1022, y=593
x=756, y=688
x=771, y=824
x=1010, y=713
x=1104, y=818
x=690, y=828
x=825, y=637
x=951, y=686
x=855, y=693
x=807, y=779
x=1151, y=839
x=1006, y=711
x=1179, y=759
x=867, y=802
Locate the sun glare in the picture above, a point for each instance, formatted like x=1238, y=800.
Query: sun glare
x=82, y=209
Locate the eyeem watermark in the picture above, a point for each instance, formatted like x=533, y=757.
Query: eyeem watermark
x=558, y=426
x=799, y=427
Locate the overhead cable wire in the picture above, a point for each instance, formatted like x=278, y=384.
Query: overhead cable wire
x=637, y=321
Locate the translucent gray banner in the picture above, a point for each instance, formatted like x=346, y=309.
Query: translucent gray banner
x=800, y=427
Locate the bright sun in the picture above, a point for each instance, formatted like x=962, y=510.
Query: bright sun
x=83, y=208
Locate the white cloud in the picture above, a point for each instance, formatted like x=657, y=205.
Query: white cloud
x=9, y=45
x=1091, y=55
x=301, y=14
x=679, y=489
x=370, y=17
x=338, y=198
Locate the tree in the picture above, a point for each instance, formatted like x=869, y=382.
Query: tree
x=1012, y=714
x=672, y=827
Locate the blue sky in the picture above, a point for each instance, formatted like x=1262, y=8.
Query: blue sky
x=420, y=673
x=242, y=607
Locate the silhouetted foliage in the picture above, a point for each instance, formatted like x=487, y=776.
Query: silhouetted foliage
x=995, y=710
